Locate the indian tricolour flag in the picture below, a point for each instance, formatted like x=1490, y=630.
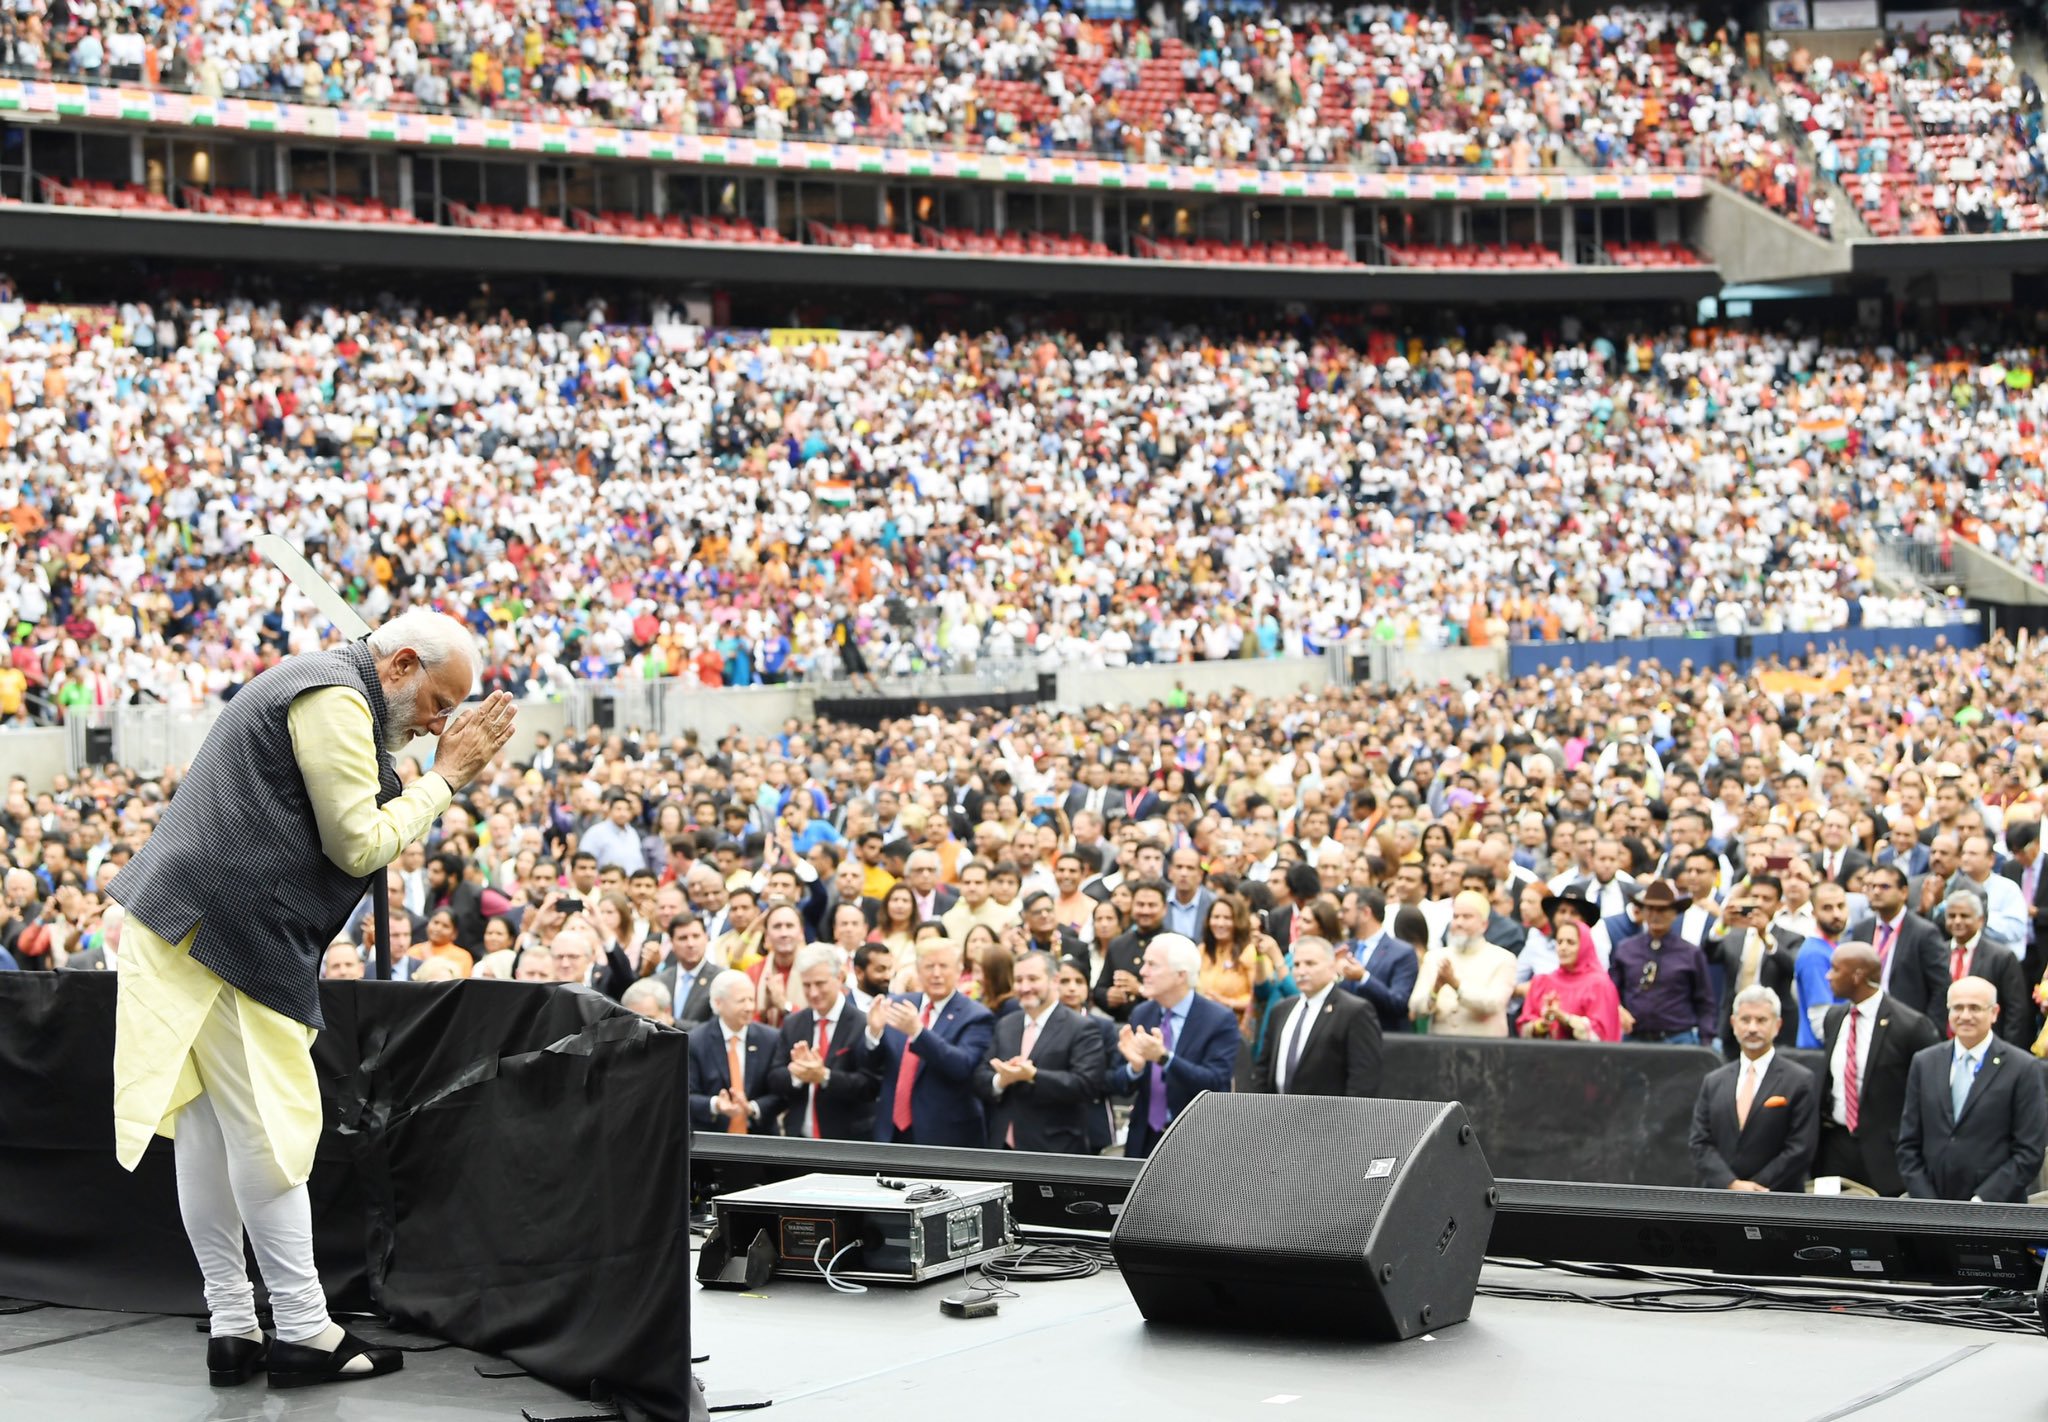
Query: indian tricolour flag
x=1828, y=429
x=837, y=493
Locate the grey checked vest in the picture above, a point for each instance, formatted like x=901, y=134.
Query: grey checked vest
x=237, y=850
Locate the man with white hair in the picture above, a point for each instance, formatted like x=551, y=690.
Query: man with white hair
x=732, y=1062
x=1176, y=1045
x=291, y=805
x=105, y=955
x=1462, y=988
x=650, y=998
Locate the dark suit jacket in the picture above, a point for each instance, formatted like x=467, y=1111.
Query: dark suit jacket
x=1390, y=969
x=1147, y=806
x=1993, y=1150
x=698, y=1008
x=1125, y=952
x=1101, y=1127
x=1341, y=1057
x=1853, y=861
x=710, y=1074
x=1913, y=868
x=943, y=1107
x=1049, y=1112
x=1204, y=1059
x=92, y=960
x=1066, y=944
x=1776, y=971
x=846, y=1104
x=1919, y=964
x=943, y=898
x=1775, y=1146
x=1077, y=800
x=1504, y=932
x=1899, y=1035
x=2000, y=967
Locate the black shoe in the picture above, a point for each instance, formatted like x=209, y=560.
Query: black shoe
x=232, y=1361
x=296, y=1365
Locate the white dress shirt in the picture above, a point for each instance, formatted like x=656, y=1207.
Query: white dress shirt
x=831, y=1031
x=1301, y=1025
x=1866, y=1013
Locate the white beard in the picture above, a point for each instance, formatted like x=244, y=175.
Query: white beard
x=399, y=709
x=1465, y=945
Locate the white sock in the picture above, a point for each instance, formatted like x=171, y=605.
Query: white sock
x=254, y=1335
x=328, y=1339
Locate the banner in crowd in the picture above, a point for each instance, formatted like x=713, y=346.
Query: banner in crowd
x=147, y=106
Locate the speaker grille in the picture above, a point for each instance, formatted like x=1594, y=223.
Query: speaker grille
x=1218, y=1176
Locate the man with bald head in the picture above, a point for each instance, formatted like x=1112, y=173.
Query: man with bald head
x=1871, y=1039
x=1976, y=1116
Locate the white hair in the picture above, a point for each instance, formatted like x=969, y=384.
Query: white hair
x=814, y=954
x=650, y=992
x=1969, y=897
x=1182, y=955
x=434, y=636
x=1760, y=996
x=723, y=986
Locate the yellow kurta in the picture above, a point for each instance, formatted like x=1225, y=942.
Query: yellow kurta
x=165, y=996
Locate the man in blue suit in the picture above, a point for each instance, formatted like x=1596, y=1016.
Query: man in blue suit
x=926, y=1047
x=732, y=1036
x=1177, y=1044
x=1375, y=965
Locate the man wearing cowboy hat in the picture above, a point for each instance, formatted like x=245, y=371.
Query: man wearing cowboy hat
x=1667, y=993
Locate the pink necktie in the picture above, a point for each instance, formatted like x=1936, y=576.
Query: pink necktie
x=1030, y=1041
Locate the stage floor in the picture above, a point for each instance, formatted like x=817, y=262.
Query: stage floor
x=75, y=1365
x=1079, y=1350
x=1081, y=1345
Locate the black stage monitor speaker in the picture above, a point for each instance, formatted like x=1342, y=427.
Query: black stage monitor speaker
x=1321, y=1214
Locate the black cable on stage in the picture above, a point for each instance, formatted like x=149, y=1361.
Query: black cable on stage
x=1041, y=1263
x=1679, y=1293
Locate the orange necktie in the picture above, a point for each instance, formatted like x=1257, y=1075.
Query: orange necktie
x=737, y=1077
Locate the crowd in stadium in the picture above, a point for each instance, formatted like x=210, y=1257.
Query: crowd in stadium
x=1483, y=860
x=661, y=501
x=1929, y=134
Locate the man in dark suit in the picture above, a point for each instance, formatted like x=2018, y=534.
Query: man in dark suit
x=1870, y=1039
x=1976, y=1115
x=733, y=1039
x=1754, y=954
x=1838, y=860
x=1902, y=849
x=1294, y=885
x=1093, y=792
x=688, y=972
x=1176, y=1045
x=1972, y=955
x=1044, y=933
x=1187, y=901
x=1756, y=1120
x=921, y=871
x=1117, y=984
x=1324, y=1042
x=2024, y=867
x=1376, y=965
x=1134, y=799
x=1912, y=958
x=821, y=1071
x=1046, y=1064
x=926, y=1047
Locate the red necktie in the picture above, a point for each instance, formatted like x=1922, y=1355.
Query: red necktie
x=1958, y=962
x=906, y=1077
x=822, y=1044
x=1851, y=1089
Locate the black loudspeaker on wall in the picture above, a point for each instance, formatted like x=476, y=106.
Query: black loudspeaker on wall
x=1310, y=1213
